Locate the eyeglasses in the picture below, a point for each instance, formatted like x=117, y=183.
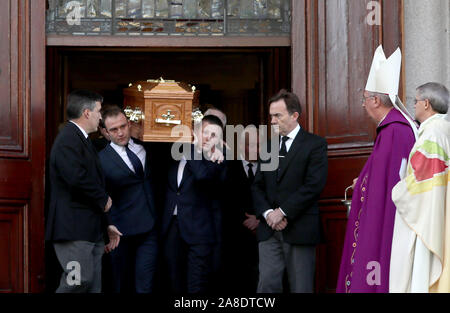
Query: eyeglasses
x=415, y=101
x=363, y=100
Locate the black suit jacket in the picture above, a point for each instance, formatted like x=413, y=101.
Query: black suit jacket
x=296, y=189
x=238, y=199
x=77, y=189
x=238, y=240
x=197, y=199
x=133, y=210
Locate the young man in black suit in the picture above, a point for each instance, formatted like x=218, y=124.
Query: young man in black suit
x=286, y=202
x=78, y=199
x=189, y=227
x=126, y=164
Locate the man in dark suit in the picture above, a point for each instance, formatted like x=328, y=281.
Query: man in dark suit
x=78, y=199
x=126, y=163
x=240, y=256
x=286, y=199
x=189, y=225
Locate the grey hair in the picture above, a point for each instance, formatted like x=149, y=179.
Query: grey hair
x=437, y=94
x=384, y=99
x=80, y=100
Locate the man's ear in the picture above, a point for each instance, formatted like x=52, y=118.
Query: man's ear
x=86, y=113
x=296, y=115
x=377, y=101
x=427, y=104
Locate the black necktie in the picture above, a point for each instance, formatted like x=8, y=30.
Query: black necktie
x=138, y=169
x=251, y=176
x=283, y=150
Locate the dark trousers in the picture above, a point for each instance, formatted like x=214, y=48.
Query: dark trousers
x=133, y=263
x=189, y=266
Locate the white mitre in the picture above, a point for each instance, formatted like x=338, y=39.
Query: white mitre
x=384, y=77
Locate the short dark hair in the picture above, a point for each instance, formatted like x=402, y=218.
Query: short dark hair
x=111, y=111
x=291, y=100
x=80, y=100
x=212, y=119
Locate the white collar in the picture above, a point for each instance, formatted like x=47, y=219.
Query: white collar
x=81, y=128
x=428, y=121
x=122, y=148
x=246, y=163
x=294, y=133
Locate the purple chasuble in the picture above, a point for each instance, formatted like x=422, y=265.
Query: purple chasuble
x=367, y=248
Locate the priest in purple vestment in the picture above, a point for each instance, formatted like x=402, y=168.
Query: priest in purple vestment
x=367, y=248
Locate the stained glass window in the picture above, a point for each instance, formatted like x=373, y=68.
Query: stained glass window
x=169, y=17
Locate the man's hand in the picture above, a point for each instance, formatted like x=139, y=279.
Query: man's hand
x=251, y=222
x=223, y=143
x=114, y=238
x=216, y=156
x=282, y=225
x=354, y=182
x=136, y=129
x=274, y=218
x=108, y=205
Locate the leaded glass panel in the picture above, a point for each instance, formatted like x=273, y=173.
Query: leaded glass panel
x=169, y=17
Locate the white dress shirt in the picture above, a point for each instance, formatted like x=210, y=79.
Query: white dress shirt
x=181, y=167
x=291, y=136
x=82, y=130
x=246, y=167
x=289, y=142
x=136, y=148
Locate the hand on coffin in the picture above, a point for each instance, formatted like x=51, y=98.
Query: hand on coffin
x=136, y=130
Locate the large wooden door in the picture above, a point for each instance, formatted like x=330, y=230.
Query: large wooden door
x=332, y=49
x=22, y=145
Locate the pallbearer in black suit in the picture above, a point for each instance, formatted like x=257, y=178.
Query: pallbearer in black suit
x=126, y=164
x=239, y=219
x=78, y=199
x=189, y=224
x=286, y=201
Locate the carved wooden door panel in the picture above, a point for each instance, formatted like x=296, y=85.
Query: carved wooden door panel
x=22, y=145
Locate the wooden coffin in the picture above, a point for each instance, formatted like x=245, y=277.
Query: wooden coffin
x=160, y=105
